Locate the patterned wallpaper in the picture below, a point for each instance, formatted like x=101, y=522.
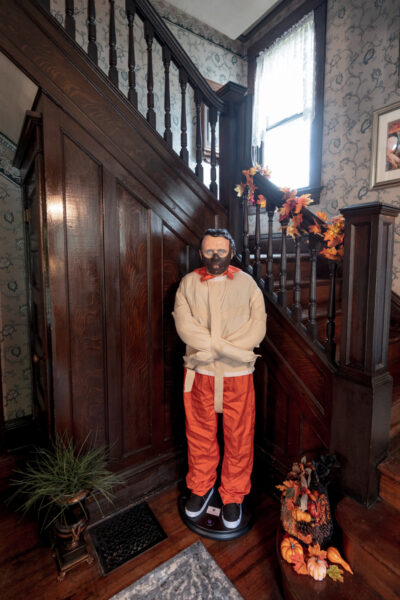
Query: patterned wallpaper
x=361, y=75
x=14, y=339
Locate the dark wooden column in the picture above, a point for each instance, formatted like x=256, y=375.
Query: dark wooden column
x=230, y=143
x=363, y=387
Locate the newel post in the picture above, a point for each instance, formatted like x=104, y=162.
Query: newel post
x=362, y=395
x=231, y=144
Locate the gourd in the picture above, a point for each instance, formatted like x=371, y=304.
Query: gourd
x=290, y=547
x=300, y=515
x=316, y=567
x=334, y=557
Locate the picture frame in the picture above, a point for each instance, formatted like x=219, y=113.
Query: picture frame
x=385, y=156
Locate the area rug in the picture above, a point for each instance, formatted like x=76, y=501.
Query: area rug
x=123, y=536
x=192, y=574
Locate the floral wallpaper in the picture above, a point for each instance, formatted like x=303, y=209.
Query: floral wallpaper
x=16, y=376
x=216, y=57
x=361, y=75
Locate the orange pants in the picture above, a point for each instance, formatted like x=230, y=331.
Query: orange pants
x=201, y=432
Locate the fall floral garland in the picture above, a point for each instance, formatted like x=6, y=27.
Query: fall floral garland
x=291, y=214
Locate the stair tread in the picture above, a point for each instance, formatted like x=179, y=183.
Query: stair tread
x=299, y=587
x=376, y=530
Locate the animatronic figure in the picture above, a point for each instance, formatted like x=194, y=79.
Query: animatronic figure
x=220, y=314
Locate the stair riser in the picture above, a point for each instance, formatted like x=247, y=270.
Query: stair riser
x=384, y=581
x=389, y=491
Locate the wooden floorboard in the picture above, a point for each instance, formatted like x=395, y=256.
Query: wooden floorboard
x=27, y=569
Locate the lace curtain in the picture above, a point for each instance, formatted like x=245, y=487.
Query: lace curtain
x=284, y=86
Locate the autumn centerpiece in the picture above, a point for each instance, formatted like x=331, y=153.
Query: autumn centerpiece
x=306, y=518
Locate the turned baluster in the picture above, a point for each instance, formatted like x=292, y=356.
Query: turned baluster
x=213, y=116
x=69, y=18
x=113, y=71
x=132, y=93
x=92, y=46
x=282, y=292
x=312, y=325
x=257, y=247
x=166, y=56
x=149, y=35
x=246, y=252
x=296, y=308
x=330, y=343
x=199, y=144
x=269, y=277
x=183, y=79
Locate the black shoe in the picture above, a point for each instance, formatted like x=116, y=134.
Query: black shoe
x=232, y=515
x=197, y=504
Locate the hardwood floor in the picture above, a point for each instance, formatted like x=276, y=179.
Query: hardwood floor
x=28, y=571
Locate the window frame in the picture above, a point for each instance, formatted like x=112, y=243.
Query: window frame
x=262, y=36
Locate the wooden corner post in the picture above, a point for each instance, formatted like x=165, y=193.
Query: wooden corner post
x=362, y=394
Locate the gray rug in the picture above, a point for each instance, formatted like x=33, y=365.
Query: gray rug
x=192, y=574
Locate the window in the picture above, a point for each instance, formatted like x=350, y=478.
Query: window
x=286, y=66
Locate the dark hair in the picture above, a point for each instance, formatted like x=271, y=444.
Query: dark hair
x=220, y=233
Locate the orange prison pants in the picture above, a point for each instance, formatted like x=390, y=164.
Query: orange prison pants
x=238, y=428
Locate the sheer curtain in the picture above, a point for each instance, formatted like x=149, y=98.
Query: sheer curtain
x=284, y=86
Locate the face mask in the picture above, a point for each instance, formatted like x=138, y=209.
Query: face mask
x=216, y=265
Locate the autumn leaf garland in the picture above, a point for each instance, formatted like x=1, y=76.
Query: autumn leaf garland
x=291, y=214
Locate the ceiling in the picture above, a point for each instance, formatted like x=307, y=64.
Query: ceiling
x=231, y=17
x=16, y=96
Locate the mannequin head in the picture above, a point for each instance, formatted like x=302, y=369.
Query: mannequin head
x=216, y=250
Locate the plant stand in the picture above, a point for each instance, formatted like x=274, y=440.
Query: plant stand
x=68, y=557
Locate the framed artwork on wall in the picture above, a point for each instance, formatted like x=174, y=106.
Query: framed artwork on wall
x=385, y=159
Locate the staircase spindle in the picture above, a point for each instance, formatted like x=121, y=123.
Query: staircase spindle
x=166, y=56
x=199, y=150
x=330, y=343
x=69, y=18
x=245, y=252
x=149, y=35
x=132, y=93
x=213, y=116
x=296, y=308
x=282, y=292
x=269, y=277
x=257, y=247
x=113, y=71
x=92, y=46
x=312, y=325
x=184, y=154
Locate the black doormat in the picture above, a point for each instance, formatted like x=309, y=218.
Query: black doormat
x=123, y=536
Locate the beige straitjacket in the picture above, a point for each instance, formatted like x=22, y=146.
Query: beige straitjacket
x=221, y=321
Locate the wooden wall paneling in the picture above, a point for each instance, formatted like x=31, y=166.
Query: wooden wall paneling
x=113, y=314
x=57, y=265
x=174, y=268
x=135, y=321
x=85, y=274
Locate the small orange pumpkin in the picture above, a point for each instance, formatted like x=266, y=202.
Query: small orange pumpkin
x=289, y=547
x=317, y=568
x=300, y=515
x=335, y=557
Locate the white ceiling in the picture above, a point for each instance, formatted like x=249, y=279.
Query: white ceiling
x=17, y=94
x=231, y=17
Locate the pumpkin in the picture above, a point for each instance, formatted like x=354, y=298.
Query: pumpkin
x=289, y=548
x=317, y=567
x=334, y=557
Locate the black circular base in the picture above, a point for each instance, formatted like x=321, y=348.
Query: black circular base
x=209, y=524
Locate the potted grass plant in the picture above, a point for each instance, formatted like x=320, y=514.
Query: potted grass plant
x=56, y=482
